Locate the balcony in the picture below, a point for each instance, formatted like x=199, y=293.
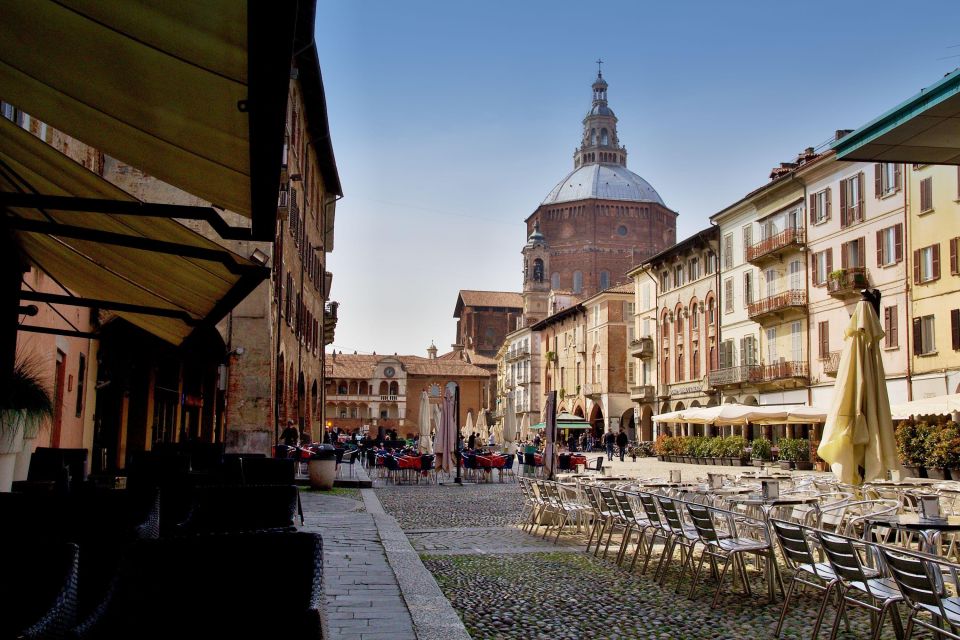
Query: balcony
x=734, y=376
x=642, y=393
x=784, y=370
x=847, y=283
x=691, y=387
x=592, y=389
x=329, y=321
x=831, y=363
x=767, y=248
x=518, y=354
x=663, y=390
x=388, y=397
x=792, y=300
x=642, y=347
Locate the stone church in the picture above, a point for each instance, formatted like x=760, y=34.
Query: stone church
x=600, y=220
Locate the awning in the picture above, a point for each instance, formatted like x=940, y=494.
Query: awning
x=155, y=272
x=738, y=414
x=924, y=129
x=566, y=421
x=192, y=93
x=935, y=406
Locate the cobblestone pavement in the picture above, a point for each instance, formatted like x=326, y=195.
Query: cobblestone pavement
x=431, y=506
x=481, y=540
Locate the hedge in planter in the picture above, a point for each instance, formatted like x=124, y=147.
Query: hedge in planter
x=943, y=451
x=912, y=447
x=761, y=451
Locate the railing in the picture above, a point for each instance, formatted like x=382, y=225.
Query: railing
x=642, y=347
x=516, y=354
x=350, y=397
x=831, y=363
x=734, y=375
x=779, y=302
x=389, y=396
x=785, y=369
x=790, y=235
x=663, y=390
x=843, y=283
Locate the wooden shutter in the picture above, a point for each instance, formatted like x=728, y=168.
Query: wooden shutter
x=898, y=241
x=880, y=248
x=917, y=338
x=916, y=266
x=843, y=202
x=890, y=326
x=878, y=180
x=926, y=194
x=897, y=176
x=953, y=256
x=743, y=351
x=861, y=252
x=813, y=208
x=829, y=260
x=826, y=206
x=955, y=328
x=936, y=261
x=844, y=250
x=858, y=214
x=824, y=336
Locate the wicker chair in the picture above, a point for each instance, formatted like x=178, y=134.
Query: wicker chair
x=219, y=586
x=38, y=589
x=237, y=509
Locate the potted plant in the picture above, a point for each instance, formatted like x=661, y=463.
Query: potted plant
x=661, y=447
x=801, y=455
x=786, y=446
x=733, y=449
x=761, y=451
x=911, y=439
x=25, y=403
x=943, y=451
x=714, y=450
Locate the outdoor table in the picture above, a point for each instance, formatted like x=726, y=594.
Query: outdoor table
x=488, y=463
x=666, y=485
x=931, y=530
x=766, y=506
x=722, y=491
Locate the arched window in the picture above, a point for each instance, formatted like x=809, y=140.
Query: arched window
x=711, y=311
x=678, y=322
x=538, y=270
x=577, y=281
x=666, y=370
x=394, y=388
x=555, y=280
x=342, y=389
x=679, y=367
x=695, y=364
x=593, y=136
x=604, y=137
x=604, y=279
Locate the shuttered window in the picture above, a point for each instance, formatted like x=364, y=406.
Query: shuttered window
x=923, y=335
x=890, y=245
x=820, y=206
x=954, y=267
x=822, y=266
x=728, y=295
x=851, y=254
x=890, y=327
x=926, y=264
x=728, y=251
x=748, y=287
x=851, y=200
x=747, y=239
x=926, y=195
x=823, y=335
x=955, y=329
x=886, y=178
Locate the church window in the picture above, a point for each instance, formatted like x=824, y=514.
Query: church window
x=538, y=270
x=622, y=230
x=604, y=137
x=577, y=281
x=604, y=279
x=593, y=136
x=555, y=280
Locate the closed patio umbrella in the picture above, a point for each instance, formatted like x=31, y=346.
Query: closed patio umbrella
x=858, y=440
x=550, y=431
x=525, y=426
x=481, y=425
x=510, y=427
x=425, y=445
x=468, y=428
x=446, y=444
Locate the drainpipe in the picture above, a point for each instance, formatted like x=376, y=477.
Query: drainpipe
x=908, y=281
x=276, y=355
x=656, y=341
x=719, y=298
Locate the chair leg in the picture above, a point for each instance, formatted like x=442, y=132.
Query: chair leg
x=823, y=608
x=696, y=574
x=723, y=573
x=786, y=605
x=841, y=609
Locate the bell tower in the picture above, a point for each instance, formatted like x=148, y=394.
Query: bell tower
x=600, y=143
x=536, y=278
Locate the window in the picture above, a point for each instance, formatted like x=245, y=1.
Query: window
x=621, y=230
x=678, y=322
x=771, y=275
x=747, y=239
x=748, y=351
x=680, y=367
x=726, y=354
x=694, y=317
x=891, y=340
x=772, y=345
x=678, y=275
x=604, y=280
x=728, y=251
x=711, y=265
x=796, y=341
x=596, y=315
x=851, y=200
x=728, y=295
x=926, y=264
x=954, y=267
x=923, y=335
x=628, y=310
x=578, y=282
x=631, y=374
x=926, y=195
x=664, y=281
x=886, y=178
x=646, y=296
x=748, y=287
x=666, y=370
x=955, y=329
x=822, y=266
x=823, y=339
x=646, y=328
x=555, y=280
x=711, y=311
x=851, y=254
x=890, y=245
x=694, y=269
x=820, y=206
x=796, y=275
x=695, y=364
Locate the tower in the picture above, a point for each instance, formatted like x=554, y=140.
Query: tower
x=536, y=284
x=600, y=143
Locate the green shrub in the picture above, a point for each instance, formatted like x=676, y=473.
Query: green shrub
x=733, y=446
x=761, y=449
x=912, y=447
x=943, y=446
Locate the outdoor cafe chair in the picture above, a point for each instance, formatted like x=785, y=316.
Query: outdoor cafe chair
x=880, y=593
x=507, y=468
x=658, y=529
x=920, y=579
x=572, y=508
x=681, y=534
x=795, y=542
x=38, y=588
x=601, y=516
x=532, y=504
x=729, y=548
x=634, y=523
x=616, y=520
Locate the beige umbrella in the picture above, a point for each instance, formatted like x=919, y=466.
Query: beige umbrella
x=468, y=428
x=425, y=444
x=858, y=440
x=525, y=426
x=510, y=427
x=446, y=444
x=481, y=426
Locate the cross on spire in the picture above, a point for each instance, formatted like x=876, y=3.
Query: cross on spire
x=599, y=71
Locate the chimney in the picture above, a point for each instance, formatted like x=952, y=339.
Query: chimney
x=842, y=133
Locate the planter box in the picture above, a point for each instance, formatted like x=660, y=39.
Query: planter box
x=786, y=465
x=759, y=463
x=804, y=466
x=938, y=473
x=915, y=472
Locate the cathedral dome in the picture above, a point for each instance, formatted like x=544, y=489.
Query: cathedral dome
x=604, y=182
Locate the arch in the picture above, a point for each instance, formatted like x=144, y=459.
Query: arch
x=627, y=423
x=730, y=400
x=596, y=419
x=301, y=399
x=578, y=411
x=555, y=280
x=577, y=281
x=694, y=323
x=364, y=388
x=394, y=388
x=314, y=401
x=694, y=404
x=711, y=309
x=384, y=388
x=712, y=402
x=646, y=423
x=342, y=388
x=593, y=137
x=538, y=270
x=604, y=137
x=680, y=375
x=679, y=406
x=751, y=401
x=354, y=387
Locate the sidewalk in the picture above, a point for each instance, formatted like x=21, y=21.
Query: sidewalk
x=373, y=579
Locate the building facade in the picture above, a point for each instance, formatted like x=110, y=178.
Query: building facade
x=519, y=374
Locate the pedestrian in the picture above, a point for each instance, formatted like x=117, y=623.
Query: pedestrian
x=290, y=435
x=609, y=440
x=536, y=441
x=572, y=443
x=491, y=441
x=622, y=442
x=472, y=441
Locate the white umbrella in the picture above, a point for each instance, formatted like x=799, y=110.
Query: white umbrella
x=551, y=432
x=670, y=416
x=858, y=440
x=468, y=428
x=525, y=426
x=481, y=425
x=446, y=444
x=425, y=445
x=510, y=427
x=936, y=406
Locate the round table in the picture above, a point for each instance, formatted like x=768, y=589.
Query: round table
x=930, y=529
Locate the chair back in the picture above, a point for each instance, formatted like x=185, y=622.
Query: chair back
x=598, y=465
x=793, y=541
x=650, y=508
x=67, y=467
x=624, y=505
x=426, y=462
x=608, y=500
x=508, y=463
x=843, y=556
x=919, y=579
x=702, y=522
x=670, y=513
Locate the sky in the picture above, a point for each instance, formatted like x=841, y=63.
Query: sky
x=451, y=121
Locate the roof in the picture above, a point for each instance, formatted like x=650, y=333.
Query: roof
x=923, y=129
x=469, y=355
x=710, y=233
x=559, y=315
x=472, y=298
x=604, y=182
x=362, y=366
x=193, y=93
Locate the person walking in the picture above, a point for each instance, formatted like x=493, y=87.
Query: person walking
x=622, y=442
x=609, y=440
x=472, y=441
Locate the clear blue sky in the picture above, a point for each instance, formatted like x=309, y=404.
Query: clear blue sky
x=452, y=120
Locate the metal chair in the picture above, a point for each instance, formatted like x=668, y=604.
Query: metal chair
x=681, y=534
x=920, y=580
